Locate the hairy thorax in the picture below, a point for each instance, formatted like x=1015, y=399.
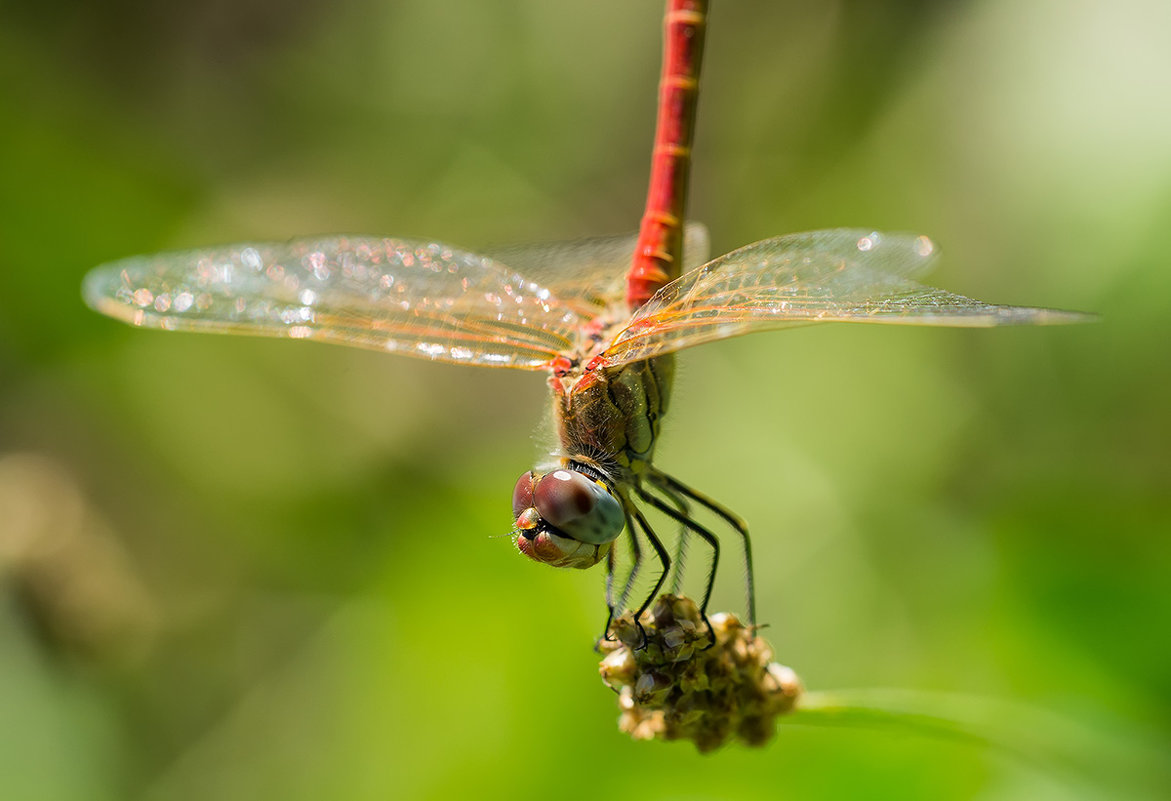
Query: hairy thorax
x=610, y=416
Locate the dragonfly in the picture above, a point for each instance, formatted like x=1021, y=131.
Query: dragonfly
x=559, y=309
x=602, y=318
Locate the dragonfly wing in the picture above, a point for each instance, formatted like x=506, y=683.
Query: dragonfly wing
x=841, y=275
x=590, y=274
x=421, y=299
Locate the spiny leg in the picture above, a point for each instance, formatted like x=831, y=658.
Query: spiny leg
x=678, y=565
x=615, y=606
x=609, y=593
x=660, y=551
x=731, y=518
x=706, y=535
x=635, y=562
x=681, y=551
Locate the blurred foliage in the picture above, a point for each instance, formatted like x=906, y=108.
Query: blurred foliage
x=242, y=569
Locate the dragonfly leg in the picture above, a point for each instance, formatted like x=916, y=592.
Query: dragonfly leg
x=660, y=552
x=609, y=594
x=615, y=606
x=635, y=563
x=732, y=519
x=680, y=558
x=707, y=537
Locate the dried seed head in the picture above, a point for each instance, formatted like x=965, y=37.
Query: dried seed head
x=674, y=686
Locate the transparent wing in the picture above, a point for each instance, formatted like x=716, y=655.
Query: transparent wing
x=421, y=299
x=590, y=274
x=842, y=275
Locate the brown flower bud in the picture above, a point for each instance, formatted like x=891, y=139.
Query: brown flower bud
x=677, y=684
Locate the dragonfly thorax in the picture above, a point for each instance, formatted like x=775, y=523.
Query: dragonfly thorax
x=611, y=415
x=566, y=517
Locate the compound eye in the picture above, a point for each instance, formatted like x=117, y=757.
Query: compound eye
x=522, y=493
x=563, y=496
x=578, y=506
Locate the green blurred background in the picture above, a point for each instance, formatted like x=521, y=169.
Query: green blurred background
x=239, y=569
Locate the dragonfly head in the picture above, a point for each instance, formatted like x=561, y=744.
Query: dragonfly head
x=565, y=518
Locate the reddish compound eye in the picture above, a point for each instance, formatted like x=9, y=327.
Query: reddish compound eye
x=563, y=496
x=578, y=506
x=522, y=494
